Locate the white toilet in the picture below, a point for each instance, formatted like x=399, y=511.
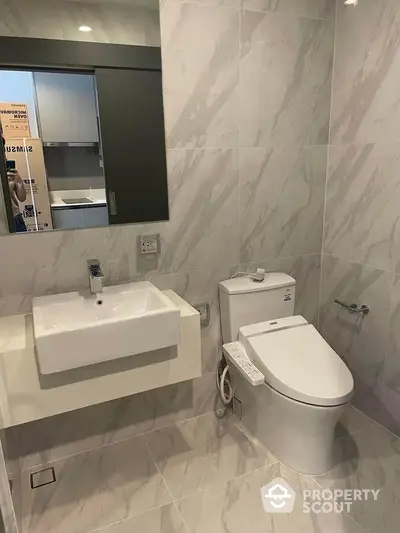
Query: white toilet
x=290, y=386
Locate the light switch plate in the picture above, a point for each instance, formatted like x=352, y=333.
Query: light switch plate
x=204, y=310
x=149, y=244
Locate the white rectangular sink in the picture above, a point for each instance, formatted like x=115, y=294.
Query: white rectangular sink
x=79, y=329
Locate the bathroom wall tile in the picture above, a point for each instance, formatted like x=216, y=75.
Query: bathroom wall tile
x=202, y=233
x=117, y=23
x=281, y=201
x=182, y=32
x=390, y=394
x=94, y=490
x=369, y=459
x=78, y=431
x=201, y=95
x=200, y=452
x=360, y=340
x=304, y=8
x=306, y=270
x=236, y=506
x=363, y=193
x=365, y=96
x=57, y=261
x=164, y=519
x=14, y=304
x=285, y=79
x=201, y=119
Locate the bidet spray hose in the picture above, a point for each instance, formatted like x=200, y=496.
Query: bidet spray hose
x=222, y=383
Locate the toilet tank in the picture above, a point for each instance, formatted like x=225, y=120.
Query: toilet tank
x=244, y=301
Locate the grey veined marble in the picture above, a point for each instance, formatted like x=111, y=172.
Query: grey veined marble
x=305, y=8
x=360, y=340
x=202, y=233
x=367, y=73
x=362, y=220
x=285, y=79
x=281, y=201
x=201, y=72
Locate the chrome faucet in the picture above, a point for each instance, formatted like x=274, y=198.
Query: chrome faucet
x=95, y=276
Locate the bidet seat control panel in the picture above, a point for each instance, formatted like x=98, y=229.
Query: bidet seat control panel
x=237, y=356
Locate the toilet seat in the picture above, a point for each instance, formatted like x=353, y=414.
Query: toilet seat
x=297, y=362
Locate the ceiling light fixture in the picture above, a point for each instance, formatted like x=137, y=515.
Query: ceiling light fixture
x=85, y=28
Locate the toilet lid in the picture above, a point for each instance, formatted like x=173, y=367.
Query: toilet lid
x=300, y=364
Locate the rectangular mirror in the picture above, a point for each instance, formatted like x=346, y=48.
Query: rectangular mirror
x=81, y=111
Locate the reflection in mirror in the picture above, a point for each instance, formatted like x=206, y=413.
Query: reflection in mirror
x=69, y=131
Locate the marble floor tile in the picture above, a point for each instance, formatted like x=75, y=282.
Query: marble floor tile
x=200, y=452
x=162, y=520
x=93, y=490
x=352, y=421
x=236, y=507
x=369, y=459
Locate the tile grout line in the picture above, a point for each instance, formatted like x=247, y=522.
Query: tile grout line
x=166, y=485
x=89, y=450
x=327, y=164
x=344, y=512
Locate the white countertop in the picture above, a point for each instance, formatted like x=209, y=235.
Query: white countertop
x=25, y=395
x=60, y=203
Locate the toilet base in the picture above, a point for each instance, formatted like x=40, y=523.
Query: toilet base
x=300, y=435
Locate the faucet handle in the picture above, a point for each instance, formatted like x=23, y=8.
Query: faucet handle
x=94, y=267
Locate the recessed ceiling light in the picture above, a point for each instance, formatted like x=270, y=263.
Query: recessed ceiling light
x=85, y=28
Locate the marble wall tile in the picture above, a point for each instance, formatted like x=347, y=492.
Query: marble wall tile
x=116, y=23
x=285, y=79
x=202, y=233
x=57, y=261
x=200, y=76
x=362, y=218
x=306, y=270
x=365, y=95
x=78, y=431
x=305, y=8
x=199, y=287
x=94, y=490
x=281, y=201
x=360, y=340
x=390, y=393
x=236, y=507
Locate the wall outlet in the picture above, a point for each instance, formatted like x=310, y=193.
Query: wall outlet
x=149, y=244
x=204, y=310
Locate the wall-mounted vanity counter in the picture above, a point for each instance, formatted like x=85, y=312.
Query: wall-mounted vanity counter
x=26, y=395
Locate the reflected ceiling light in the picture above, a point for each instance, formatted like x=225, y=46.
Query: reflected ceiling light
x=85, y=28
x=351, y=2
